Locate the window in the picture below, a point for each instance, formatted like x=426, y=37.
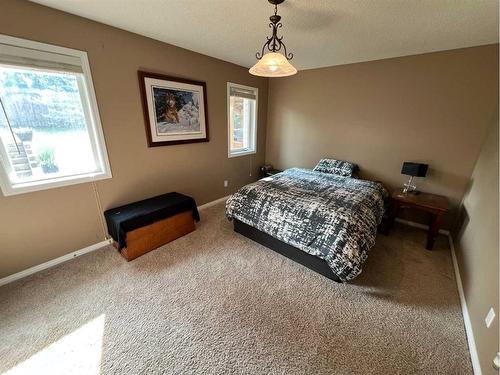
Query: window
x=242, y=119
x=50, y=131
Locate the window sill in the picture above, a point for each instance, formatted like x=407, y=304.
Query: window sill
x=29, y=187
x=241, y=153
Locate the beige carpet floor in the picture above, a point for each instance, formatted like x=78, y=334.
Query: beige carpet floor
x=214, y=302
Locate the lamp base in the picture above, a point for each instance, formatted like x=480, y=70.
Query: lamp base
x=409, y=187
x=414, y=192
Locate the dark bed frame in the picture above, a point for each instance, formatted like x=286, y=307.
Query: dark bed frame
x=310, y=261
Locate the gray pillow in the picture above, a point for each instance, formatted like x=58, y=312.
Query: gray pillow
x=338, y=167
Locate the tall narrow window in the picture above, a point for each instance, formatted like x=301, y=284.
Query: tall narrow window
x=50, y=132
x=242, y=119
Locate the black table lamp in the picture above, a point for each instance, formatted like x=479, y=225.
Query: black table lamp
x=413, y=170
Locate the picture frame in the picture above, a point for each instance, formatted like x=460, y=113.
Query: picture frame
x=175, y=109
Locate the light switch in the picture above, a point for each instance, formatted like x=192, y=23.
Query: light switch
x=489, y=318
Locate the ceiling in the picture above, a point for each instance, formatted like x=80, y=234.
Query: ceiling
x=319, y=32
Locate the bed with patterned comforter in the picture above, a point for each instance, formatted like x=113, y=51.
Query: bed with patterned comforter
x=331, y=217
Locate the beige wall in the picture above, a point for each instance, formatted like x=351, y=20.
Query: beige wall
x=433, y=108
x=39, y=226
x=477, y=249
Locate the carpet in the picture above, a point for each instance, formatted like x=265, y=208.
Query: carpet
x=214, y=302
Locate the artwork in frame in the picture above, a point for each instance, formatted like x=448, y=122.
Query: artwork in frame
x=174, y=109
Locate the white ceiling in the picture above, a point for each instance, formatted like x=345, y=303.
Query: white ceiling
x=319, y=32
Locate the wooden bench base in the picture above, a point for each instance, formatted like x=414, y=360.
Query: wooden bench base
x=143, y=240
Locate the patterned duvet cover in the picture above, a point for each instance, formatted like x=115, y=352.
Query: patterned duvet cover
x=332, y=217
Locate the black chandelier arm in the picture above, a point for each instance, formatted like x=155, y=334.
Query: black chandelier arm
x=259, y=55
x=288, y=56
x=274, y=45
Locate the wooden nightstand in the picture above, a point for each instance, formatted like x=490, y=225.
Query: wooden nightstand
x=434, y=204
x=270, y=172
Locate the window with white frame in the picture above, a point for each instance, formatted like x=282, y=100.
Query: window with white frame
x=50, y=131
x=242, y=119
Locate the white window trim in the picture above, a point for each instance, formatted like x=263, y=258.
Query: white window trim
x=235, y=154
x=92, y=116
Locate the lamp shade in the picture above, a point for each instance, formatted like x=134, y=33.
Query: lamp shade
x=273, y=64
x=414, y=169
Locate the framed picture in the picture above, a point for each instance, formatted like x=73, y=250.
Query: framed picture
x=174, y=109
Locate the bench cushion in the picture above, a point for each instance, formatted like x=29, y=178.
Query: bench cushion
x=124, y=219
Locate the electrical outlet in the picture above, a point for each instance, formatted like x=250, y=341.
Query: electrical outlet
x=226, y=183
x=489, y=318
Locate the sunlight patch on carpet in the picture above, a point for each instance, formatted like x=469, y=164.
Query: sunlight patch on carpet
x=76, y=353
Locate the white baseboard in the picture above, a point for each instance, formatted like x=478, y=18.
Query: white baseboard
x=213, y=203
x=88, y=249
x=52, y=263
x=476, y=367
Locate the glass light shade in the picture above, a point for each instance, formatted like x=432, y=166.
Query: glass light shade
x=273, y=64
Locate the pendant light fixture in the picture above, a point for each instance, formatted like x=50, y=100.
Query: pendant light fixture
x=273, y=63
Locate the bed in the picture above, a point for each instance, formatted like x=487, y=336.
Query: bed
x=323, y=220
